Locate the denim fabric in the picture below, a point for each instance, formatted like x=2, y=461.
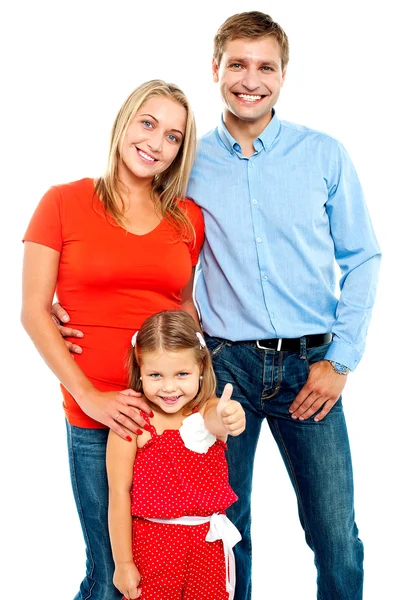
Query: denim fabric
x=86, y=448
x=316, y=455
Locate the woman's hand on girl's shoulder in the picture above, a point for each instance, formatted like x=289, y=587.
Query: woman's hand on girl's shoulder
x=120, y=411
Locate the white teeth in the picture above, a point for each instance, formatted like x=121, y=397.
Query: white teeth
x=249, y=97
x=144, y=155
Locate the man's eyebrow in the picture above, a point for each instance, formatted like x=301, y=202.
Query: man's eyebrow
x=155, y=119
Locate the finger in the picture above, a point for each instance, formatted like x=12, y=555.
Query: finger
x=134, y=423
x=300, y=398
x=68, y=332
x=326, y=409
x=226, y=396
x=59, y=312
x=136, y=400
x=317, y=404
x=73, y=348
x=114, y=426
x=303, y=407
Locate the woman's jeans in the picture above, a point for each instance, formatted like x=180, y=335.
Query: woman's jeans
x=86, y=448
x=316, y=455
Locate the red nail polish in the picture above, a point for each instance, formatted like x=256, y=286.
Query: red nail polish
x=151, y=414
x=139, y=432
x=129, y=439
x=147, y=428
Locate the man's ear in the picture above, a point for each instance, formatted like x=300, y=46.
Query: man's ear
x=215, y=70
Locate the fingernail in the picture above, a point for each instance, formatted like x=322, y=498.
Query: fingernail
x=293, y=417
x=147, y=428
x=151, y=414
x=291, y=410
x=316, y=418
x=301, y=419
x=139, y=432
x=129, y=439
x=65, y=318
x=80, y=334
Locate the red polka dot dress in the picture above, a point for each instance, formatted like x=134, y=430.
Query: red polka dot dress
x=169, y=481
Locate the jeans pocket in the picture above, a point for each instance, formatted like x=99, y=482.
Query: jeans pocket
x=215, y=345
x=317, y=354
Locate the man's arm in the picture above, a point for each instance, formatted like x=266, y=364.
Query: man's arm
x=358, y=256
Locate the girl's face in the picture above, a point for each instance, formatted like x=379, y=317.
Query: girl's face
x=170, y=379
x=153, y=139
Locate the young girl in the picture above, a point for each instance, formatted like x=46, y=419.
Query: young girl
x=173, y=478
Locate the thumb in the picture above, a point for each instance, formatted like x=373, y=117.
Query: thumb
x=226, y=396
x=130, y=392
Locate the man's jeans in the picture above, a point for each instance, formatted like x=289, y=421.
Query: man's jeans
x=316, y=455
x=86, y=449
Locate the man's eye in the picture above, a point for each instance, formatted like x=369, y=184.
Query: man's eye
x=236, y=65
x=266, y=68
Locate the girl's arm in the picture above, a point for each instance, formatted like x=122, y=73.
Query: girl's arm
x=187, y=301
x=223, y=416
x=120, y=461
x=40, y=272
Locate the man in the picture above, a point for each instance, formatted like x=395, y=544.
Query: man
x=281, y=204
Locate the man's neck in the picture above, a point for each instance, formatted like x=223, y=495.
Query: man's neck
x=245, y=132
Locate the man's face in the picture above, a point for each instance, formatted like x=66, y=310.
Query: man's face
x=250, y=77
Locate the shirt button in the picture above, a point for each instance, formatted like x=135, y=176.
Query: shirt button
x=259, y=240
x=254, y=201
x=250, y=164
x=265, y=277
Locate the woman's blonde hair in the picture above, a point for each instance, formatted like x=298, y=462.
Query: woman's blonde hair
x=168, y=186
x=172, y=330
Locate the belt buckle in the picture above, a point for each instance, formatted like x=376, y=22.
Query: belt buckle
x=279, y=344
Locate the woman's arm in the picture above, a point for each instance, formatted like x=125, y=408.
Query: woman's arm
x=224, y=416
x=188, y=301
x=120, y=461
x=40, y=272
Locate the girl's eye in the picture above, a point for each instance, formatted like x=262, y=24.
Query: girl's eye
x=155, y=375
x=183, y=374
x=147, y=123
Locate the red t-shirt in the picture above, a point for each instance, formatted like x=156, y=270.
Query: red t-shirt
x=110, y=280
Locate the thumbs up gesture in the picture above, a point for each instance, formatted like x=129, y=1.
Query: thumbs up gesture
x=230, y=412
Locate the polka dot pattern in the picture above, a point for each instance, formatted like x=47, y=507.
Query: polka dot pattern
x=170, y=481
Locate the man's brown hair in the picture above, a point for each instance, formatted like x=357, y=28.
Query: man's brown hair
x=250, y=25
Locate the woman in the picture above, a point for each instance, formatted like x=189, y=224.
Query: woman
x=116, y=250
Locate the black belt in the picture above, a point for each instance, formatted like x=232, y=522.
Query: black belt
x=289, y=344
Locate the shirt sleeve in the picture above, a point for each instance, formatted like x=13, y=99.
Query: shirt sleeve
x=45, y=225
x=195, y=215
x=358, y=256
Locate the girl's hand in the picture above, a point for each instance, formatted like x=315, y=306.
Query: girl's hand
x=117, y=410
x=230, y=412
x=127, y=579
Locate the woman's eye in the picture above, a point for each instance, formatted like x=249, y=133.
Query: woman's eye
x=172, y=138
x=147, y=123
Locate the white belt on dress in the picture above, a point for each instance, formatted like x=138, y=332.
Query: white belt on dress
x=220, y=528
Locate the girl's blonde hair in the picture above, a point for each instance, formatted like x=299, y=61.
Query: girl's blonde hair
x=168, y=186
x=172, y=330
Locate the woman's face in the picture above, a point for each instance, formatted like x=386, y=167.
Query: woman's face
x=153, y=139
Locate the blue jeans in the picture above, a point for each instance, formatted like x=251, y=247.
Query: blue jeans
x=316, y=455
x=86, y=448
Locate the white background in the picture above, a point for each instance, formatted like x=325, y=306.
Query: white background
x=67, y=68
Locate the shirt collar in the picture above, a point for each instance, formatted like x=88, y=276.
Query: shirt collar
x=266, y=138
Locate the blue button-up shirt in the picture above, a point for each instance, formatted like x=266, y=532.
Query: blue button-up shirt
x=274, y=224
